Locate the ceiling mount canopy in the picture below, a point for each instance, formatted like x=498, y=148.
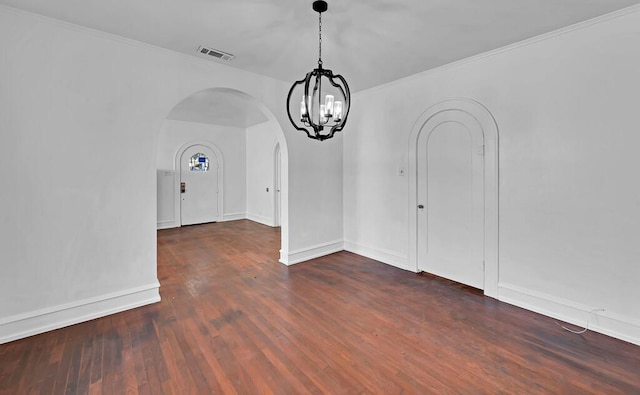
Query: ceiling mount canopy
x=325, y=97
x=320, y=6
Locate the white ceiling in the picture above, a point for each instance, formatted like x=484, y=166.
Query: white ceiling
x=369, y=42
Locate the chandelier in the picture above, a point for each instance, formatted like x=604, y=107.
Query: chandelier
x=325, y=97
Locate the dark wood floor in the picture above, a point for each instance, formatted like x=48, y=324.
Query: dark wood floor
x=234, y=320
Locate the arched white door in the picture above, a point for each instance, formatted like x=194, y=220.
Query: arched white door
x=451, y=199
x=199, y=194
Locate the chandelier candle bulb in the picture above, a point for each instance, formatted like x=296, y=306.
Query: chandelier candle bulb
x=337, y=110
x=328, y=105
x=303, y=110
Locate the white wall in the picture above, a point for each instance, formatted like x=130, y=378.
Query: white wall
x=166, y=203
x=316, y=169
x=569, y=194
x=232, y=144
x=81, y=113
x=261, y=142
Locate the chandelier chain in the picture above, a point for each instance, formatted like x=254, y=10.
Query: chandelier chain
x=320, y=38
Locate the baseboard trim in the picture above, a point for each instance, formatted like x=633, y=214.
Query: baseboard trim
x=176, y=224
x=233, y=216
x=260, y=219
x=316, y=251
x=385, y=256
x=166, y=224
x=32, y=323
x=605, y=322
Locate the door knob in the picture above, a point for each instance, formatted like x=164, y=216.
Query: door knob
x=183, y=187
x=420, y=206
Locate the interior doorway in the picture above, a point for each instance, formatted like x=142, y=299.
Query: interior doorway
x=211, y=118
x=450, y=200
x=453, y=194
x=200, y=189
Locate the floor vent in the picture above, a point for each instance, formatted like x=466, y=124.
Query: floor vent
x=215, y=53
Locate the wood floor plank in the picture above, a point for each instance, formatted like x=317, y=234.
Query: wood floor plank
x=235, y=321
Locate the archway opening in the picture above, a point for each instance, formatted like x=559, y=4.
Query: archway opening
x=242, y=133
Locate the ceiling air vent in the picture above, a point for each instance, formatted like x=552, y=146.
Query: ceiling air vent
x=214, y=53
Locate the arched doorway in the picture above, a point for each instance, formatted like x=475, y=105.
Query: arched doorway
x=169, y=169
x=453, y=197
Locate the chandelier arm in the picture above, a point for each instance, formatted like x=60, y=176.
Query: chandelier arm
x=289, y=103
x=346, y=93
x=347, y=96
x=332, y=131
x=317, y=89
x=316, y=127
x=319, y=86
x=317, y=73
x=338, y=86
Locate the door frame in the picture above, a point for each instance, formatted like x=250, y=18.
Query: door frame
x=487, y=124
x=178, y=171
x=277, y=184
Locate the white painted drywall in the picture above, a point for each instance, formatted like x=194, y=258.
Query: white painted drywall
x=81, y=114
x=566, y=108
x=261, y=142
x=166, y=184
x=319, y=160
x=230, y=141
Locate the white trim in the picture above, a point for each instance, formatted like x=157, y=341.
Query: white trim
x=261, y=219
x=312, y=252
x=581, y=315
x=226, y=217
x=510, y=47
x=276, y=188
x=381, y=255
x=166, y=224
x=35, y=322
x=234, y=216
x=489, y=128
